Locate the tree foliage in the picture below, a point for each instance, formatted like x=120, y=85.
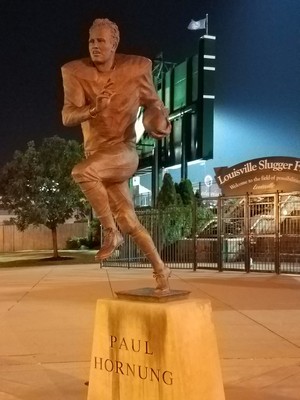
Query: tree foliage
x=167, y=195
x=173, y=216
x=37, y=187
x=181, y=213
x=185, y=190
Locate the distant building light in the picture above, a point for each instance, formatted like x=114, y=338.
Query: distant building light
x=208, y=180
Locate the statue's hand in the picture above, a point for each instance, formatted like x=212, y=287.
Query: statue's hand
x=162, y=133
x=156, y=122
x=104, y=98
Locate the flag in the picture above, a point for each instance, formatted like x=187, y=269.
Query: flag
x=196, y=25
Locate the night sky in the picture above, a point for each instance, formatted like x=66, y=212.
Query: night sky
x=257, y=106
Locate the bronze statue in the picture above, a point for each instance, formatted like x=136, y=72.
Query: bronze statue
x=103, y=93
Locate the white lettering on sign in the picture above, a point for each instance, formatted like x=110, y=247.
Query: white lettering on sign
x=261, y=165
x=274, y=166
x=249, y=167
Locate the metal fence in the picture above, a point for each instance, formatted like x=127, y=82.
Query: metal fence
x=246, y=233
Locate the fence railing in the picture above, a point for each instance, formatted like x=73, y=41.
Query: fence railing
x=248, y=233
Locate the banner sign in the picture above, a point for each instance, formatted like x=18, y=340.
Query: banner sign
x=259, y=176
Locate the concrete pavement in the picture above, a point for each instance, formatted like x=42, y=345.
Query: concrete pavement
x=47, y=318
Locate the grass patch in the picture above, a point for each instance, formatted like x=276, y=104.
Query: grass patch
x=45, y=258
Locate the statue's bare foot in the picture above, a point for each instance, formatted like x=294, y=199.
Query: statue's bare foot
x=162, y=280
x=112, y=240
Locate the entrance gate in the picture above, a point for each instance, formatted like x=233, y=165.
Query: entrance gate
x=244, y=233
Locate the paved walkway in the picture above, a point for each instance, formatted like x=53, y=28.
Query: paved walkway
x=46, y=328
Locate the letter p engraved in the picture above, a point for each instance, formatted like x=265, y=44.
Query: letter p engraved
x=113, y=340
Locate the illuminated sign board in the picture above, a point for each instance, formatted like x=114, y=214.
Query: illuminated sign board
x=260, y=176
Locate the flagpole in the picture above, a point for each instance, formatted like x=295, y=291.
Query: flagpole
x=206, y=24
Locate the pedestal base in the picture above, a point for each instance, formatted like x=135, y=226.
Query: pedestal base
x=154, y=351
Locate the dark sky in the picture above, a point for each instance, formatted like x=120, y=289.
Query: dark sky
x=257, y=107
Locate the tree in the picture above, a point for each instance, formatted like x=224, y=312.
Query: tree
x=171, y=216
x=198, y=197
x=181, y=213
x=185, y=189
x=167, y=195
x=37, y=187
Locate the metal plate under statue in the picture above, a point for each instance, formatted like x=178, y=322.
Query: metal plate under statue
x=151, y=295
x=103, y=93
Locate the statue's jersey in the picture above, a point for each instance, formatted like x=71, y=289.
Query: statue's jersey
x=132, y=82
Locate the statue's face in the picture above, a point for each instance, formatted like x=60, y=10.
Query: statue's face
x=102, y=46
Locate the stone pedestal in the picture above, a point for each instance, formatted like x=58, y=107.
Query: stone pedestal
x=154, y=351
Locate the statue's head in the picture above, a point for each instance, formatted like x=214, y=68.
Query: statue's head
x=103, y=42
x=105, y=22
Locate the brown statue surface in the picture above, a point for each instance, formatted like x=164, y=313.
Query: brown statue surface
x=103, y=93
